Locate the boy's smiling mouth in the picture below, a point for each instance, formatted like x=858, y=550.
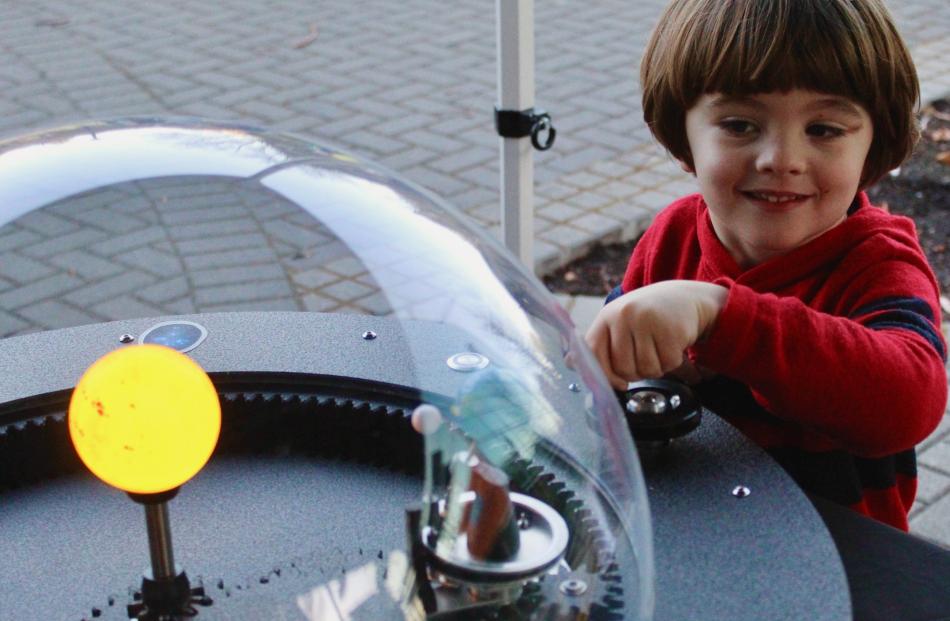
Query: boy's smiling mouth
x=773, y=196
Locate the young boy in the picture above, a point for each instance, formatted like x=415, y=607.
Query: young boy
x=812, y=315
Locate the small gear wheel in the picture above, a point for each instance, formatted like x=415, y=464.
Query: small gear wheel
x=577, y=595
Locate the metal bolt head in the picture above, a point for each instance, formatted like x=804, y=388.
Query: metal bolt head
x=573, y=587
x=647, y=402
x=126, y=338
x=741, y=491
x=574, y=387
x=369, y=335
x=524, y=522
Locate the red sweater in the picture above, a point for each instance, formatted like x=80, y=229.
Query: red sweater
x=830, y=357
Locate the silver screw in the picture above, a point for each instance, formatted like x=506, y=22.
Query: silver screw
x=369, y=335
x=741, y=491
x=126, y=338
x=573, y=587
x=574, y=387
x=524, y=522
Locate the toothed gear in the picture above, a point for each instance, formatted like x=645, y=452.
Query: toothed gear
x=34, y=445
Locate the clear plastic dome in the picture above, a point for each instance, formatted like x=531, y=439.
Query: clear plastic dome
x=266, y=256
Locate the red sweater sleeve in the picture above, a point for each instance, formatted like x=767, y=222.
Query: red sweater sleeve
x=873, y=386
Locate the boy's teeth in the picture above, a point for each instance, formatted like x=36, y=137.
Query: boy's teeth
x=774, y=199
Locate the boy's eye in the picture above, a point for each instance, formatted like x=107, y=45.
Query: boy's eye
x=820, y=130
x=737, y=127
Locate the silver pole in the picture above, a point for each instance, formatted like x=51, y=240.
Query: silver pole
x=159, y=541
x=515, y=25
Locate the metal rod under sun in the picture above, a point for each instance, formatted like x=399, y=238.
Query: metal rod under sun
x=159, y=541
x=515, y=26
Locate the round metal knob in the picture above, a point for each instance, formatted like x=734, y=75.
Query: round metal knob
x=659, y=410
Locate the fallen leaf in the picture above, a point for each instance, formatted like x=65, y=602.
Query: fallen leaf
x=885, y=206
x=940, y=135
x=305, y=41
x=944, y=157
x=939, y=248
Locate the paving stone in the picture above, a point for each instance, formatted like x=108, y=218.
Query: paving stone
x=318, y=303
x=182, y=306
x=49, y=287
x=216, y=243
x=241, y=274
x=936, y=456
x=10, y=325
x=590, y=201
x=126, y=307
x=116, y=244
x=602, y=227
x=46, y=223
x=583, y=180
x=206, y=229
x=77, y=239
x=272, y=304
x=54, y=314
x=931, y=484
x=109, y=220
x=148, y=259
x=243, y=292
x=375, y=304
x=314, y=278
x=556, y=190
x=931, y=522
x=569, y=239
x=560, y=212
x=166, y=290
x=95, y=293
x=16, y=238
x=229, y=258
x=346, y=290
x=464, y=159
x=21, y=269
x=938, y=435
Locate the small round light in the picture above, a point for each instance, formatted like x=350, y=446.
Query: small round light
x=467, y=361
x=144, y=419
x=426, y=419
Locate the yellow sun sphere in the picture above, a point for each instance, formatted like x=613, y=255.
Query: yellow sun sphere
x=145, y=418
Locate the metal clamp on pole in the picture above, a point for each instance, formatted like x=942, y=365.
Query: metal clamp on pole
x=531, y=122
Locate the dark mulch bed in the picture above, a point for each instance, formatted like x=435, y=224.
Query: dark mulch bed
x=921, y=190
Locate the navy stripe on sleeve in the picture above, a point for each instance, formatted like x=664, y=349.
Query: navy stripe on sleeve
x=904, y=313
x=615, y=293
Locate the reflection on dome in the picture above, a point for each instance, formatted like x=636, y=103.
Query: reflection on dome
x=228, y=229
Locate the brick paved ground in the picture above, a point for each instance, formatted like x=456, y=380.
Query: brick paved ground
x=410, y=84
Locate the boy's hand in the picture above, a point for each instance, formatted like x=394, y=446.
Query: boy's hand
x=645, y=333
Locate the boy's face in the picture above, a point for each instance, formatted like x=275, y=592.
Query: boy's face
x=776, y=169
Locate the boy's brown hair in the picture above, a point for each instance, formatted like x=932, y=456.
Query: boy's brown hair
x=742, y=47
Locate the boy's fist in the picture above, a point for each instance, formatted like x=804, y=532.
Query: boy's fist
x=645, y=333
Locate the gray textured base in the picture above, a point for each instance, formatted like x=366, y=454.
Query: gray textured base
x=718, y=557
x=69, y=544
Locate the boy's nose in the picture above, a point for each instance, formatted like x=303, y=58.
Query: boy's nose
x=781, y=155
